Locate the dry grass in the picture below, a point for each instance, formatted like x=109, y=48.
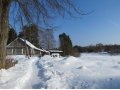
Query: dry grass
x=10, y=62
x=75, y=53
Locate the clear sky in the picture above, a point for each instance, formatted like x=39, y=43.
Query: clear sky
x=101, y=26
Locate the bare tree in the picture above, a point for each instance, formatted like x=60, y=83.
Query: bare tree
x=50, y=41
x=47, y=39
x=41, y=37
x=29, y=11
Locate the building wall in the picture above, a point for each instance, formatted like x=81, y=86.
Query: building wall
x=15, y=51
x=17, y=47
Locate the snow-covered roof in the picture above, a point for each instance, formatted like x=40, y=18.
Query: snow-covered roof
x=55, y=51
x=31, y=45
x=45, y=50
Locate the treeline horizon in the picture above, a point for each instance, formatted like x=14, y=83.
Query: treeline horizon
x=109, y=48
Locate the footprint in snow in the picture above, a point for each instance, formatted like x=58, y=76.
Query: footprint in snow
x=118, y=62
x=115, y=66
x=84, y=85
x=79, y=67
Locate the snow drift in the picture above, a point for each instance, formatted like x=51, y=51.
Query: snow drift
x=88, y=71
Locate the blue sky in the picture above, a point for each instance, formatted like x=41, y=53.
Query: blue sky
x=101, y=26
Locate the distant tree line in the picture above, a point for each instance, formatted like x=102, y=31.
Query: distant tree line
x=99, y=48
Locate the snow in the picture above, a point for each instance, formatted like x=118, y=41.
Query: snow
x=55, y=55
x=45, y=50
x=18, y=76
x=88, y=71
x=55, y=51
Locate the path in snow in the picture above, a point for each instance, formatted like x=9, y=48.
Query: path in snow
x=30, y=77
x=34, y=78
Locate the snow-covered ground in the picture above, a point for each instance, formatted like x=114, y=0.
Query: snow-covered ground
x=88, y=71
x=20, y=76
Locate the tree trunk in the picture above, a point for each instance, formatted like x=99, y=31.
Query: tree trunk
x=4, y=12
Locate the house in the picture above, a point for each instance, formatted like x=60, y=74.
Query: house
x=55, y=53
x=23, y=47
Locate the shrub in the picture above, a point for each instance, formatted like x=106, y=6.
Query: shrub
x=9, y=62
x=75, y=53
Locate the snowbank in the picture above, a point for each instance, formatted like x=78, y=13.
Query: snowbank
x=88, y=71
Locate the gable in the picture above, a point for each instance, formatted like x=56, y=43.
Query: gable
x=16, y=43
